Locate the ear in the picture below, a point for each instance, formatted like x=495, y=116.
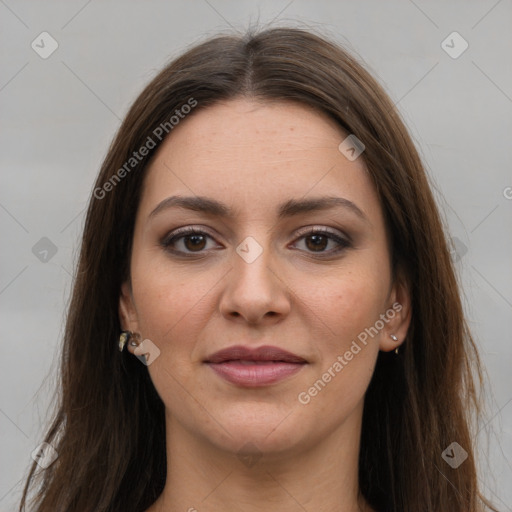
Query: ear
x=127, y=313
x=398, y=313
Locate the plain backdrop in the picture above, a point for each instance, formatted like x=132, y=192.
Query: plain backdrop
x=60, y=113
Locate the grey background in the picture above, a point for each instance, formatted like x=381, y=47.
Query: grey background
x=60, y=114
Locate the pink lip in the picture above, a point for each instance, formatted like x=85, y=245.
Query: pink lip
x=254, y=367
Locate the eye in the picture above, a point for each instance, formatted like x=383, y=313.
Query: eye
x=189, y=240
x=316, y=240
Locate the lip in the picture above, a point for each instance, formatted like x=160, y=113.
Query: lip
x=254, y=367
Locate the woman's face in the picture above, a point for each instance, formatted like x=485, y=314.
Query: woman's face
x=255, y=275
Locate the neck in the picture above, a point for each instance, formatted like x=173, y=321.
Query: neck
x=203, y=477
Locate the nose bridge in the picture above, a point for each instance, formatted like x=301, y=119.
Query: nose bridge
x=252, y=265
x=254, y=288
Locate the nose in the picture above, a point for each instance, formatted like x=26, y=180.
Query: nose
x=256, y=291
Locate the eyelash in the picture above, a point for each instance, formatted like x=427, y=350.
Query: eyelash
x=181, y=233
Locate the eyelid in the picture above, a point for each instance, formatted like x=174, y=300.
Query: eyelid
x=187, y=230
x=322, y=229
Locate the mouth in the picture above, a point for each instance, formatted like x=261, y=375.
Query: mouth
x=254, y=367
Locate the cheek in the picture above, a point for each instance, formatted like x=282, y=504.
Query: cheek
x=173, y=304
x=346, y=303
x=346, y=356
x=158, y=292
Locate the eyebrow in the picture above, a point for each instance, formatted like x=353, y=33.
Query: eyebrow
x=290, y=208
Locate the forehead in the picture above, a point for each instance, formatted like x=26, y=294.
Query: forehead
x=258, y=154
x=241, y=127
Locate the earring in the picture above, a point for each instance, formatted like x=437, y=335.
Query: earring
x=126, y=336
x=395, y=339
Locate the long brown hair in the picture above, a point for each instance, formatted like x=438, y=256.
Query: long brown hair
x=109, y=427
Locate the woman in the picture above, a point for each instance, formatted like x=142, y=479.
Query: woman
x=263, y=246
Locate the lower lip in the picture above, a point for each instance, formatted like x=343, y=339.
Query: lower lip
x=257, y=374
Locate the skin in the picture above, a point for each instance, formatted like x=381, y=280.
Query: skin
x=253, y=157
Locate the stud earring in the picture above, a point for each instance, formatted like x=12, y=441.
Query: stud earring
x=133, y=337
x=395, y=339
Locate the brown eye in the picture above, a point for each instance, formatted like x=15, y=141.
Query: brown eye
x=186, y=241
x=317, y=242
x=194, y=242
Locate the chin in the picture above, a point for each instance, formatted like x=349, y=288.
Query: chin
x=260, y=428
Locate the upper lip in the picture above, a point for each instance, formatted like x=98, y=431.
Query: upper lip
x=244, y=353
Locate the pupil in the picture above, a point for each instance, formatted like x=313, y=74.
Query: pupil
x=318, y=241
x=197, y=240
